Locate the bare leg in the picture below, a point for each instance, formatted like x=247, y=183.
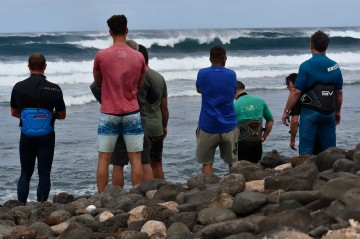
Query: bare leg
x=118, y=175
x=148, y=173
x=136, y=167
x=102, y=174
x=207, y=168
x=157, y=169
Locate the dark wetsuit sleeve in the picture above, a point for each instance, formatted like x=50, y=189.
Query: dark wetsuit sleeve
x=296, y=109
x=13, y=102
x=60, y=104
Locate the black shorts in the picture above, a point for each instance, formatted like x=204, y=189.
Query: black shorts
x=250, y=151
x=156, y=150
x=120, y=155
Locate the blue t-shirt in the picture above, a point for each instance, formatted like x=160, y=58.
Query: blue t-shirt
x=319, y=70
x=217, y=86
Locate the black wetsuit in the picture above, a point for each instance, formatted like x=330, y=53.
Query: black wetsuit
x=36, y=92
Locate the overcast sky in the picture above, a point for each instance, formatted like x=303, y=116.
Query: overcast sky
x=88, y=15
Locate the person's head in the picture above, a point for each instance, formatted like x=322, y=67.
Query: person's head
x=117, y=25
x=37, y=62
x=290, y=80
x=240, y=88
x=218, y=56
x=132, y=44
x=145, y=53
x=319, y=41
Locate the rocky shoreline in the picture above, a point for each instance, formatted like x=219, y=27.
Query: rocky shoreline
x=297, y=198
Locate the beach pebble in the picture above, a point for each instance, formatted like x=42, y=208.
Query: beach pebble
x=90, y=208
x=154, y=229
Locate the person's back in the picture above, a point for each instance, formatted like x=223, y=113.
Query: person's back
x=249, y=107
x=218, y=87
x=119, y=86
x=217, y=122
x=319, y=87
x=38, y=103
x=157, y=116
x=119, y=71
x=153, y=111
x=250, y=111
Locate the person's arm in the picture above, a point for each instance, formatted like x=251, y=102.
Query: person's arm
x=198, y=89
x=96, y=90
x=293, y=130
x=97, y=77
x=338, y=103
x=164, y=114
x=60, y=115
x=15, y=112
x=140, y=81
x=268, y=128
x=293, y=98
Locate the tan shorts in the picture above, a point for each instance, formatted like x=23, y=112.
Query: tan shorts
x=207, y=144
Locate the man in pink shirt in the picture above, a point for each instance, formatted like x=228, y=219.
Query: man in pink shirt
x=119, y=70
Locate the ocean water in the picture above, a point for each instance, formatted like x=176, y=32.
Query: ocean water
x=262, y=58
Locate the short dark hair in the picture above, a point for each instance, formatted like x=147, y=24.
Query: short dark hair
x=117, y=24
x=37, y=62
x=217, y=53
x=291, y=78
x=240, y=85
x=320, y=41
x=145, y=53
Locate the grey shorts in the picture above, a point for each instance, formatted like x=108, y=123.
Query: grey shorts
x=120, y=154
x=207, y=144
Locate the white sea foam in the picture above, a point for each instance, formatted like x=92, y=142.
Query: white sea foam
x=178, y=68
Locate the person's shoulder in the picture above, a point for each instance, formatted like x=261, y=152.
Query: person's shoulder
x=156, y=74
x=258, y=98
x=52, y=85
x=230, y=72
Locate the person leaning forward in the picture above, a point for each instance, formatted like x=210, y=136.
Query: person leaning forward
x=38, y=103
x=319, y=87
x=250, y=111
x=217, y=122
x=119, y=71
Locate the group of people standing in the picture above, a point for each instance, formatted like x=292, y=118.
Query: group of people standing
x=134, y=112
x=236, y=125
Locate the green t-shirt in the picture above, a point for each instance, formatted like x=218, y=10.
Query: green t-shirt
x=248, y=107
x=153, y=111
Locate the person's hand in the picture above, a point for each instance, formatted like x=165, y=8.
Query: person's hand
x=164, y=132
x=263, y=138
x=285, y=118
x=292, y=145
x=337, y=117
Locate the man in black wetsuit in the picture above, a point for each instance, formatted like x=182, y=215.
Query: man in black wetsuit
x=38, y=103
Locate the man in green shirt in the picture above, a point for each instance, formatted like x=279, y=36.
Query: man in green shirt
x=250, y=111
x=157, y=116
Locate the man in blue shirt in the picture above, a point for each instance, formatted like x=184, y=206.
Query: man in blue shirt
x=319, y=88
x=217, y=121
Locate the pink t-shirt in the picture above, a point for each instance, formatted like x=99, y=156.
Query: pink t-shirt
x=121, y=68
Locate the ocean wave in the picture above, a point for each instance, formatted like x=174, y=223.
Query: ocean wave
x=75, y=72
x=185, y=41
